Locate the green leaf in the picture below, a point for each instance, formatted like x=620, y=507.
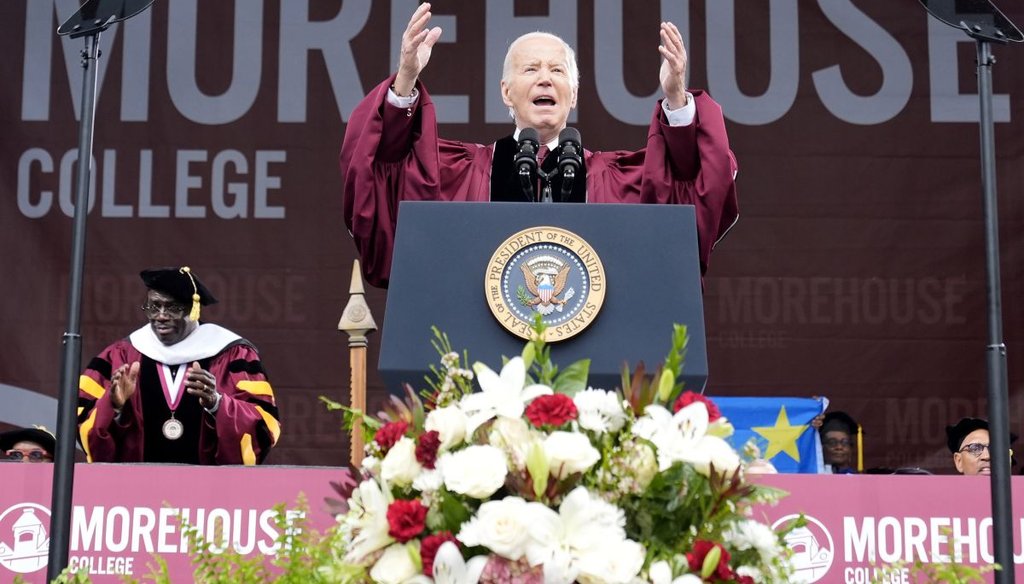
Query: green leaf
x=529, y=353
x=573, y=378
x=454, y=512
x=537, y=464
x=665, y=385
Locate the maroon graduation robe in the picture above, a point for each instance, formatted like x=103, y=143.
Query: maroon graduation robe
x=241, y=431
x=392, y=154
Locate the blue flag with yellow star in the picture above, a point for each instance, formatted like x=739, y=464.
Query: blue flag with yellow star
x=781, y=427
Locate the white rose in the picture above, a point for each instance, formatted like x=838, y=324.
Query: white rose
x=599, y=411
x=751, y=572
x=476, y=471
x=749, y=534
x=501, y=526
x=399, y=466
x=395, y=565
x=569, y=453
x=428, y=481
x=450, y=424
x=616, y=562
x=661, y=573
x=513, y=436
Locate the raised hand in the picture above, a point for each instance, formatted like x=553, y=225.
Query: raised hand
x=673, y=66
x=417, y=44
x=122, y=384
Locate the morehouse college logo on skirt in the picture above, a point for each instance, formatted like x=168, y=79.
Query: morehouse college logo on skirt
x=24, y=543
x=812, y=547
x=547, y=271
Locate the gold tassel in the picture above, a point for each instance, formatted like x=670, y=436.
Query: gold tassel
x=860, y=449
x=193, y=314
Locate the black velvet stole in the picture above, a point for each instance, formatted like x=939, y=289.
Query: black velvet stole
x=505, y=184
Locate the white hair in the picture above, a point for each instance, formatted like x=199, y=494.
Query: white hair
x=572, y=69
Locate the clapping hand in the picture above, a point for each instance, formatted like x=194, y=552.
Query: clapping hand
x=203, y=384
x=122, y=384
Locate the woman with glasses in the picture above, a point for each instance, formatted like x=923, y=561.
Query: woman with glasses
x=840, y=436
x=28, y=445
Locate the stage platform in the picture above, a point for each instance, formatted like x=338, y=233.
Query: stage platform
x=124, y=514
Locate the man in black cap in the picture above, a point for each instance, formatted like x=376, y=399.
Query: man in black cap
x=839, y=434
x=28, y=445
x=968, y=441
x=177, y=390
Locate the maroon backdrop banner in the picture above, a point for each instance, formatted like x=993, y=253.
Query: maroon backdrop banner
x=856, y=272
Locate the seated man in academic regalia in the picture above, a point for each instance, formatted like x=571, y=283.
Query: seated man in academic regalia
x=968, y=442
x=392, y=151
x=177, y=390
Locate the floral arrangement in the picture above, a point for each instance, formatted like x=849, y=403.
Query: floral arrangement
x=526, y=474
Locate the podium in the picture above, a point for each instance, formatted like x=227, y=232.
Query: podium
x=444, y=274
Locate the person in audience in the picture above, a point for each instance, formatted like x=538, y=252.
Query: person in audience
x=177, y=390
x=838, y=432
x=968, y=441
x=35, y=444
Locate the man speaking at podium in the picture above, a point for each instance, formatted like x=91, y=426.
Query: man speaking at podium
x=392, y=152
x=177, y=390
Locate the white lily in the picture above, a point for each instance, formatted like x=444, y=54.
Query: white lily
x=450, y=568
x=502, y=394
x=583, y=525
x=683, y=437
x=368, y=514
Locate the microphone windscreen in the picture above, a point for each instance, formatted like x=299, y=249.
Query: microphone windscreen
x=569, y=135
x=529, y=134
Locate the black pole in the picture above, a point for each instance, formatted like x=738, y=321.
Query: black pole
x=64, y=462
x=998, y=400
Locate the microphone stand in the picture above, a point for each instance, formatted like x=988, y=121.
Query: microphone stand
x=91, y=19
x=986, y=24
x=526, y=181
x=546, y=178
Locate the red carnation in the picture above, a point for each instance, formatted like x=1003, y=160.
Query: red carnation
x=406, y=519
x=744, y=579
x=429, y=547
x=690, y=397
x=551, y=410
x=695, y=557
x=389, y=434
x=426, y=448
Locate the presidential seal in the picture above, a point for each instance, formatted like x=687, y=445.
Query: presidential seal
x=547, y=271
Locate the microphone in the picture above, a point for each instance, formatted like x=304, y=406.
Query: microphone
x=526, y=159
x=569, y=161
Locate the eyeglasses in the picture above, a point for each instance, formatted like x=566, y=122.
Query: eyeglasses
x=171, y=310
x=32, y=455
x=975, y=449
x=836, y=442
